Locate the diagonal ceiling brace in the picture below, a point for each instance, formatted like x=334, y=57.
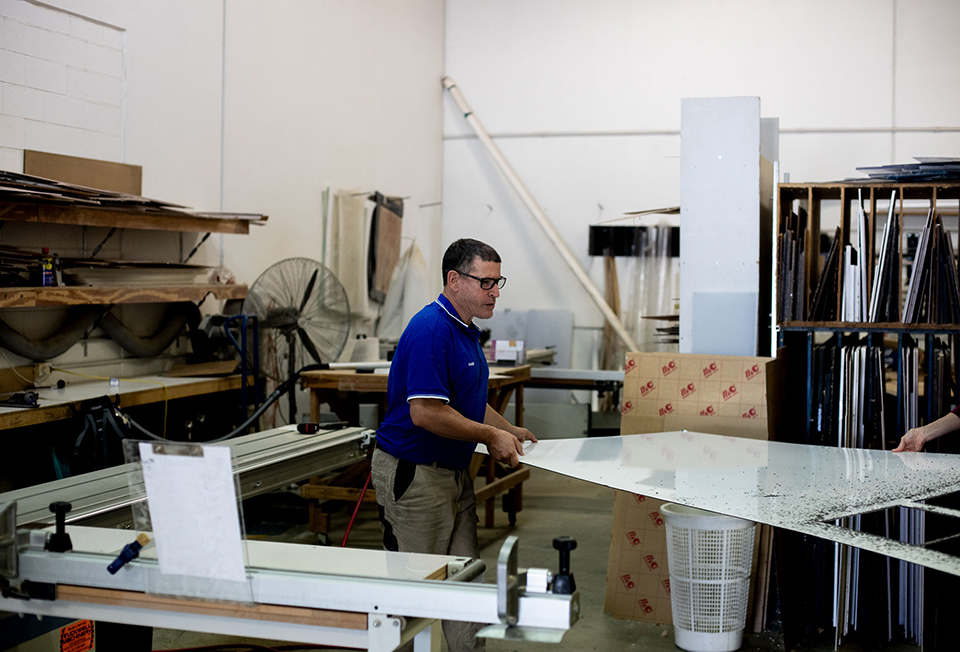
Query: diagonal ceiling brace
x=539, y=215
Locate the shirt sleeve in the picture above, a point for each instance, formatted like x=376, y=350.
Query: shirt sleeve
x=427, y=369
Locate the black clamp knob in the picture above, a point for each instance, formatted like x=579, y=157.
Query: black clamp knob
x=59, y=541
x=563, y=582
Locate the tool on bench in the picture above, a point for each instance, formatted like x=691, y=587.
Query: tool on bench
x=21, y=399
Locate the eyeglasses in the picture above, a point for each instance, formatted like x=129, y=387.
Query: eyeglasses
x=486, y=283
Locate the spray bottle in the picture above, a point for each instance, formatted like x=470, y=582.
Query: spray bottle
x=46, y=268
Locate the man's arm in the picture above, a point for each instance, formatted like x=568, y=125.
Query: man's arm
x=495, y=419
x=439, y=418
x=915, y=438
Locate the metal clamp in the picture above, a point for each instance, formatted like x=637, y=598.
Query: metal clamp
x=367, y=437
x=9, y=557
x=508, y=586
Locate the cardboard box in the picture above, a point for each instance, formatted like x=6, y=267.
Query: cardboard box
x=723, y=395
x=511, y=351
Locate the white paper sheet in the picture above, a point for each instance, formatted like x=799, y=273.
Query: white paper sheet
x=193, y=510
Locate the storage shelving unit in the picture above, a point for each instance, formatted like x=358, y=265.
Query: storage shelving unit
x=810, y=197
x=802, y=336
x=161, y=220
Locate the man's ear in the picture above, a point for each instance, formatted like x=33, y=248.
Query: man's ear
x=453, y=280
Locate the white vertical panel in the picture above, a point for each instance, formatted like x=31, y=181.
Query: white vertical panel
x=720, y=205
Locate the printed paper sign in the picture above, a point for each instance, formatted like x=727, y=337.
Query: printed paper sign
x=193, y=510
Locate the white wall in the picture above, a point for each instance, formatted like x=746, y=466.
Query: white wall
x=584, y=100
x=338, y=94
x=315, y=94
x=61, y=84
x=246, y=106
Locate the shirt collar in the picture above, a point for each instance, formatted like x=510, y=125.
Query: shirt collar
x=448, y=308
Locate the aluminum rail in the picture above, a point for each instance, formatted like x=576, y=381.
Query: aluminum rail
x=264, y=461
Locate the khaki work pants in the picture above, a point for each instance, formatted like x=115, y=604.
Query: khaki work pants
x=429, y=509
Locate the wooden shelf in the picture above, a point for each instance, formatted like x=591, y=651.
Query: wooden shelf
x=838, y=189
x=867, y=327
x=104, y=295
x=108, y=217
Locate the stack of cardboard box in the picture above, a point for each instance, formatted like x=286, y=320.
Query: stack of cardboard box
x=724, y=395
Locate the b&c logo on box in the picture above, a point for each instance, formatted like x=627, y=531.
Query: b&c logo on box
x=656, y=518
x=630, y=365
x=752, y=372
x=688, y=390
x=710, y=369
x=730, y=392
x=666, y=453
x=751, y=413
x=639, y=498
x=669, y=368
x=647, y=388
x=627, y=582
x=633, y=538
x=645, y=605
x=627, y=407
x=708, y=411
x=710, y=452
x=666, y=585
x=666, y=409
x=651, y=562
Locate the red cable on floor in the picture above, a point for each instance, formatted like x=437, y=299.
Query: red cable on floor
x=363, y=492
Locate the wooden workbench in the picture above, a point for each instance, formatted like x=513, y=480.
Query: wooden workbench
x=56, y=404
x=341, y=390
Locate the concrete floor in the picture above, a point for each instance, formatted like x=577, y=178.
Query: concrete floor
x=553, y=505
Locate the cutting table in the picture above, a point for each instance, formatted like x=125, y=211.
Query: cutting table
x=367, y=599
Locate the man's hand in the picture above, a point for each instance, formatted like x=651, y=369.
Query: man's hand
x=504, y=447
x=523, y=434
x=913, y=441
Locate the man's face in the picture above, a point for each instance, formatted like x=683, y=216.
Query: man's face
x=476, y=301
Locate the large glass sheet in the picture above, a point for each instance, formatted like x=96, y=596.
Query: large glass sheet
x=794, y=486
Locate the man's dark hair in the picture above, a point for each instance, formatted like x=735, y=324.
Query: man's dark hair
x=459, y=255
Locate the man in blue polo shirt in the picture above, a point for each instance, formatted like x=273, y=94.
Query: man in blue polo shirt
x=437, y=413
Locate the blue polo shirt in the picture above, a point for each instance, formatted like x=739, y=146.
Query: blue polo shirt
x=440, y=357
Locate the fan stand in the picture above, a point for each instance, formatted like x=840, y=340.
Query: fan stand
x=291, y=370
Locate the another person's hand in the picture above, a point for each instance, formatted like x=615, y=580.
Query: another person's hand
x=505, y=447
x=913, y=441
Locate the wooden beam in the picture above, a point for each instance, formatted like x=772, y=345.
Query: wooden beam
x=500, y=485
x=268, y=612
x=106, y=295
x=107, y=217
x=327, y=492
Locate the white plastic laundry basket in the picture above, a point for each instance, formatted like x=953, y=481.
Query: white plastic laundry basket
x=709, y=557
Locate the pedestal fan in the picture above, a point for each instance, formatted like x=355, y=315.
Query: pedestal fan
x=304, y=318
